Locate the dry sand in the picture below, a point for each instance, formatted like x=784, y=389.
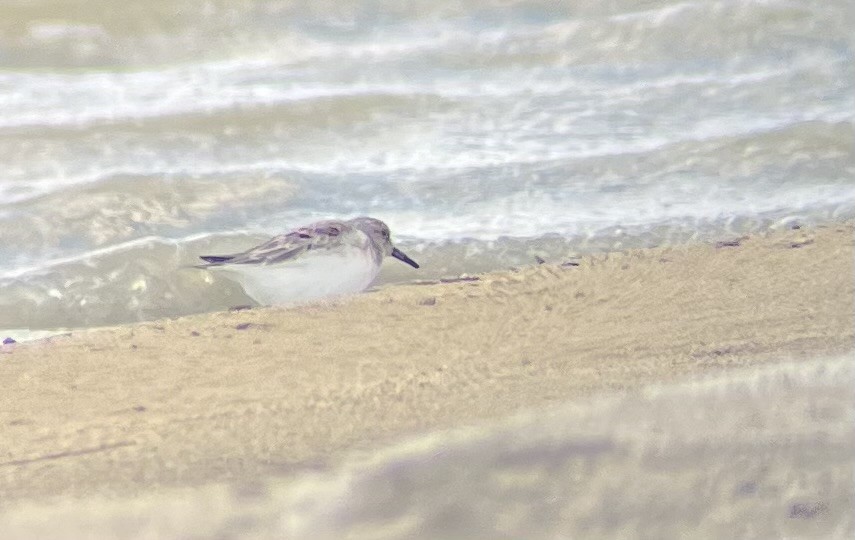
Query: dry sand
x=253, y=394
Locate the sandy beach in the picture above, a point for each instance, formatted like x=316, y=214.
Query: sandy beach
x=249, y=395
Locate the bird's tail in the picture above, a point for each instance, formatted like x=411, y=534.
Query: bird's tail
x=214, y=260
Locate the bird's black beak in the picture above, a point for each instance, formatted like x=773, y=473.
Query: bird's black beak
x=401, y=256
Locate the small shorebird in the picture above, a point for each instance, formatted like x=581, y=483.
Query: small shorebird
x=323, y=259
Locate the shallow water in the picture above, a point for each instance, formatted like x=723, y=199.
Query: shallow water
x=133, y=139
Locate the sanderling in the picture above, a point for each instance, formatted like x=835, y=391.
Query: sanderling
x=325, y=259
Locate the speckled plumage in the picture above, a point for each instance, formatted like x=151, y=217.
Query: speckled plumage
x=323, y=259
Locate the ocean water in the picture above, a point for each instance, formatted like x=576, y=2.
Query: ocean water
x=135, y=137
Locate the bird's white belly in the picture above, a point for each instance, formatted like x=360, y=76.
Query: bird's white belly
x=311, y=276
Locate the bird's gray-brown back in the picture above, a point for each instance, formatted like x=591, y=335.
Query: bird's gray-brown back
x=322, y=235
x=363, y=232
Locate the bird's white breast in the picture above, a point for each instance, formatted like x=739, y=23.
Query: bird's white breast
x=311, y=276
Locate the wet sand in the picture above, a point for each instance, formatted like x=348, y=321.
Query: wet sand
x=249, y=395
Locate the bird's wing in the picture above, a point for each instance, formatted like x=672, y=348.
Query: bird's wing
x=317, y=236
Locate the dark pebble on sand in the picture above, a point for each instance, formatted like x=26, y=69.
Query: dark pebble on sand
x=9, y=341
x=807, y=510
x=736, y=242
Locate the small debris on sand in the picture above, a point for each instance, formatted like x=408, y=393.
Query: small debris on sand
x=461, y=277
x=733, y=242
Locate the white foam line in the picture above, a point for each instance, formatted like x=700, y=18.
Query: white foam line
x=161, y=101
x=659, y=15
x=84, y=257
x=221, y=86
x=705, y=131
x=124, y=246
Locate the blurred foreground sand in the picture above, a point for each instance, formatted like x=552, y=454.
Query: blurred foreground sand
x=758, y=453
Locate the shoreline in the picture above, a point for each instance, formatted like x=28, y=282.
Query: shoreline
x=247, y=395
